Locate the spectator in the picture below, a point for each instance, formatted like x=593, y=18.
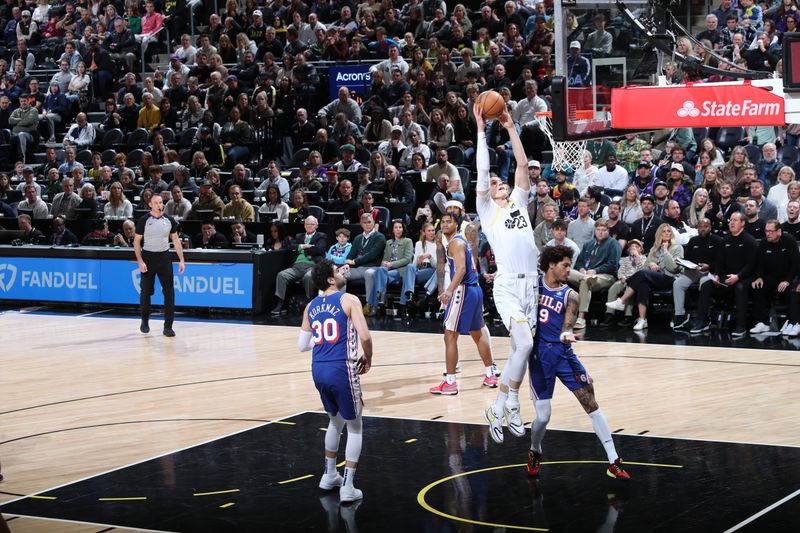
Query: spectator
x=343, y=104
x=149, y=114
x=730, y=273
x=365, y=254
x=612, y=178
x=776, y=266
x=33, y=203
x=82, y=134
x=310, y=250
x=61, y=236
x=30, y=235
x=595, y=268
x=578, y=67
x=209, y=237
x=660, y=274
x=754, y=225
x=24, y=122
x=238, y=207
x=117, y=205
x=121, y=44
x=207, y=200
x=177, y=206
x=274, y=204
x=766, y=209
x=397, y=255
x=65, y=202
x=101, y=68
x=582, y=229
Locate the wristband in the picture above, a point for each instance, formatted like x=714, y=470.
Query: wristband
x=564, y=334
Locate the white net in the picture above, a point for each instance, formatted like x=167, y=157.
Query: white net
x=565, y=153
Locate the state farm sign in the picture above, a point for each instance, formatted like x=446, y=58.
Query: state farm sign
x=693, y=106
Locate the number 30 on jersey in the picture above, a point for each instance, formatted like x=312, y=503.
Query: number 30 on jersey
x=326, y=331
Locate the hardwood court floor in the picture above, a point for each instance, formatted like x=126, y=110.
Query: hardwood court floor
x=83, y=395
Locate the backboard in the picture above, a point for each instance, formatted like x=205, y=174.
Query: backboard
x=585, y=75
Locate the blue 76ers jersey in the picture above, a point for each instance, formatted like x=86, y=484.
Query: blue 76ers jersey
x=551, y=312
x=333, y=333
x=471, y=275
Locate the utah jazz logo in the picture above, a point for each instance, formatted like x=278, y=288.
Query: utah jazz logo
x=517, y=220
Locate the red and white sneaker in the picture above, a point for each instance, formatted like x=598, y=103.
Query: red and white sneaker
x=444, y=388
x=616, y=471
x=534, y=462
x=490, y=381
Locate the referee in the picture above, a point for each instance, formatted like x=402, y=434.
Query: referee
x=156, y=229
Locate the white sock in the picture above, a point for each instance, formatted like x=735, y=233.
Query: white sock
x=539, y=425
x=500, y=403
x=330, y=466
x=349, y=474
x=513, y=398
x=600, y=425
x=490, y=371
x=451, y=379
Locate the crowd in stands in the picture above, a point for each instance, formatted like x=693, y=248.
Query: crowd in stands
x=238, y=126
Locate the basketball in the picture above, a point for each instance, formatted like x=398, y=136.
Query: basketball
x=493, y=104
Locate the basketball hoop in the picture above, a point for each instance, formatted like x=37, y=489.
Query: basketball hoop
x=565, y=153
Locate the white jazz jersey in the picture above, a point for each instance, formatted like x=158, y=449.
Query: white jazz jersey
x=509, y=232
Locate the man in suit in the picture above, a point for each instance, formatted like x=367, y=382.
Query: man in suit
x=310, y=250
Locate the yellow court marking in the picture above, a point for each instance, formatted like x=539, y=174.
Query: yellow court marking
x=285, y=423
x=132, y=499
x=215, y=492
x=226, y=505
x=285, y=481
x=425, y=505
x=43, y=497
x=341, y=464
x=409, y=441
x=323, y=429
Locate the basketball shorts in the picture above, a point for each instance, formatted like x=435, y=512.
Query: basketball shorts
x=516, y=299
x=339, y=387
x=465, y=310
x=551, y=360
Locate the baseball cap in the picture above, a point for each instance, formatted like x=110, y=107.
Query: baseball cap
x=232, y=77
x=648, y=197
x=349, y=147
x=363, y=170
x=659, y=184
x=306, y=166
x=174, y=57
x=644, y=164
x=94, y=40
x=207, y=183
x=575, y=44
x=676, y=166
x=534, y=164
x=454, y=203
x=27, y=169
x=257, y=13
x=26, y=13
x=204, y=130
x=632, y=242
x=397, y=128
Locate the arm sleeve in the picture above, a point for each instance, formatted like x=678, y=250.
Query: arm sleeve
x=482, y=164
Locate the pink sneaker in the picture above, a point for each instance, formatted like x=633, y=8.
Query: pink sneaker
x=490, y=381
x=445, y=389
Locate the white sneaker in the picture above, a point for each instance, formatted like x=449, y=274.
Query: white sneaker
x=330, y=481
x=495, y=424
x=350, y=494
x=785, y=327
x=495, y=370
x=641, y=323
x=760, y=328
x=514, y=420
x=580, y=323
x=617, y=305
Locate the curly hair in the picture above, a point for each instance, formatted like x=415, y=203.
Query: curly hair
x=554, y=254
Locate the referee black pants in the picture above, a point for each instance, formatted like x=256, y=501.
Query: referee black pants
x=158, y=264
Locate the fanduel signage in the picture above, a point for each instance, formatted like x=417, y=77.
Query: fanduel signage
x=228, y=285
x=357, y=78
x=693, y=106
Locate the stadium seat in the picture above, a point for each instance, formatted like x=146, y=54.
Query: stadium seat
x=729, y=137
x=299, y=157
x=699, y=135
x=384, y=217
x=108, y=156
x=317, y=212
x=788, y=155
x=168, y=134
x=187, y=138
x=135, y=158
x=84, y=157
x=753, y=153
x=138, y=138
x=112, y=138
x=455, y=155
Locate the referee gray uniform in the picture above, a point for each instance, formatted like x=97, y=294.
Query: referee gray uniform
x=156, y=234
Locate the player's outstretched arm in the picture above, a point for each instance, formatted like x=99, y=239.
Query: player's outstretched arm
x=352, y=306
x=521, y=177
x=481, y=153
x=570, y=317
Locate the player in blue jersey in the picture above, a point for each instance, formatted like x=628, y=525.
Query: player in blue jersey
x=552, y=357
x=332, y=325
x=464, y=300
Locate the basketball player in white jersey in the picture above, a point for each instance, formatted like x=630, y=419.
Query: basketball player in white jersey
x=505, y=222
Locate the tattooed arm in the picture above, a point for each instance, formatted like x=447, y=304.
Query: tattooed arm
x=441, y=262
x=570, y=316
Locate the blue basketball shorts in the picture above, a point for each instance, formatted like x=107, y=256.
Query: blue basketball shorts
x=339, y=387
x=551, y=360
x=465, y=310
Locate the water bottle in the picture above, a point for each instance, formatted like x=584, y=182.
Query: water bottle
x=260, y=240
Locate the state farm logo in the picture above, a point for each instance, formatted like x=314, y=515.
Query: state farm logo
x=688, y=110
x=744, y=108
x=7, y=282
